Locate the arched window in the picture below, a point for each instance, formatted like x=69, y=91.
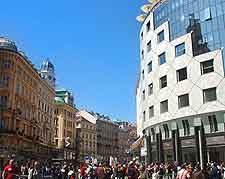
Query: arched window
x=153, y=135
x=166, y=130
x=186, y=127
x=213, y=123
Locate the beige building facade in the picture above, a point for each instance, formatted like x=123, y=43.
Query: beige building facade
x=65, y=129
x=86, y=126
x=107, y=139
x=26, y=106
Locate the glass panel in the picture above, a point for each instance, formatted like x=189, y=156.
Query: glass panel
x=182, y=74
x=161, y=36
x=183, y=101
x=207, y=67
x=209, y=95
x=149, y=67
x=180, y=49
x=164, y=106
x=162, y=58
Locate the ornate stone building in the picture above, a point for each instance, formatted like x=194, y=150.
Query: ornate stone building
x=107, y=138
x=65, y=125
x=86, y=130
x=26, y=106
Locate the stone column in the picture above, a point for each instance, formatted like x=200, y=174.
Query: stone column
x=149, y=148
x=177, y=151
x=201, y=148
x=160, y=151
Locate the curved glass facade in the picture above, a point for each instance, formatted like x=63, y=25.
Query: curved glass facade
x=206, y=18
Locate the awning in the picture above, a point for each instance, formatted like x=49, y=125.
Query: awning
x=138, y=143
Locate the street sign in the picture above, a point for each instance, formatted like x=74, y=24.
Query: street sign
x=67, y=141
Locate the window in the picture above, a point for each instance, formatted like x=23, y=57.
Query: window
x=205, y=14
x=183, y=101
x=148, y=26
x=150, y=89
x=163, y=82
x=151, y=112
x=4, y=80
x=166, y=130
x=209, y=95
x=57, y=142
x=143, y=74
x=160, y=36
x=162, y=58
x=144, y=117
x=2, y=123
x=150, y=67
x=3, y=101
x=164, y=106
x=153, y=134
x=180, y=49
x=181, y=74
x=143, y=95
x=142, y=54
x=186, y=127
x=149, y=46
x=141, y=35
x=6, y=64
x=213, y=123
x=207, y=67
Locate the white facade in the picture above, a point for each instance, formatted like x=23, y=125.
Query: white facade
x=194, y=85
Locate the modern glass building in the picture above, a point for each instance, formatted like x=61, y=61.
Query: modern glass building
x=180, y=94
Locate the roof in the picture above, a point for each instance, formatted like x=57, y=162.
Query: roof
x=59, y=100
x=7, y=44
x=147, y=8
x=86, y=115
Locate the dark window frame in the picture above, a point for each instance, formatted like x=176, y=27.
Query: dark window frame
x=149, y=46
x=180, y=73
x=150, y=89
x=213, y=123
x=209, y=99
x=162, y=58
x=162, y=103
x=161, y=36
x=150, y=67
x=151, y=108
x=163, y=82
x=206, y=67
x=183, y=104
x=178, y=51
x=148, y=26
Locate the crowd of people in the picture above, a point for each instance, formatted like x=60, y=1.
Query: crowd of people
x=131, y=170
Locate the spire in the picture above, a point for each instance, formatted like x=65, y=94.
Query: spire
x=47, y=72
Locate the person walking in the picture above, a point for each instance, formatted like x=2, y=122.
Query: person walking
x=10, y=171
x=215, y=172
x=34, y=171
x=183, y=173
x=131, y=171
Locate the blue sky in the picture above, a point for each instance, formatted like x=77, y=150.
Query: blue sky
x=93, y=45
